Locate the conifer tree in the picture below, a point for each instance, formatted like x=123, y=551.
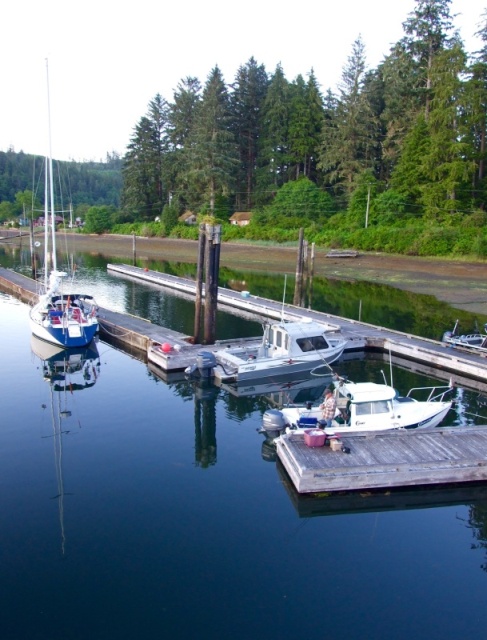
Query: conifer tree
x=181, y=117
x=476, y=91
x=212, y=156
x=447, y=167
x=428, y=30
x=246, y=100
x=144, y=193
x=274, y=144
x=347, y=148
x=305, y=119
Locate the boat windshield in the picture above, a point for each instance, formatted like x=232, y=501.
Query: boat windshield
x=371, y=408
x=312, y=343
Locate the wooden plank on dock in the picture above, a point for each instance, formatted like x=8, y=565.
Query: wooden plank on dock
x=387, y=459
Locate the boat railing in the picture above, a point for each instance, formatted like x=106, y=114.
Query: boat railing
x=434, y=394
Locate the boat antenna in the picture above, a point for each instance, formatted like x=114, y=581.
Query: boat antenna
x=283, y=297
x=51, y=181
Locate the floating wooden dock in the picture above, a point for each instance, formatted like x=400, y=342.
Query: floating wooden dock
x=386, y=459
x=310, y=505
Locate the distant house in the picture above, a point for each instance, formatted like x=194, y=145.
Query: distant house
x=40, y=221
x=241, y=218
x=188, y=217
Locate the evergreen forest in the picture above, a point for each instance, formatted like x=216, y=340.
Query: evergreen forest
x=393, y=160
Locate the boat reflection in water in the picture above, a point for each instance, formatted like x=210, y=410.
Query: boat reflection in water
x=67, y=371
x=281, y=391
x=284, y=391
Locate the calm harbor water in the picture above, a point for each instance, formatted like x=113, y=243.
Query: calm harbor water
x=135, y=508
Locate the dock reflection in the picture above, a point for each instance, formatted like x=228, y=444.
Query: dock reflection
x=345, y=503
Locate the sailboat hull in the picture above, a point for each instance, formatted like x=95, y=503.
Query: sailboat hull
x=68, y=334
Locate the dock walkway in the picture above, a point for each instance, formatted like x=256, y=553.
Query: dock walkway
x=386, y=459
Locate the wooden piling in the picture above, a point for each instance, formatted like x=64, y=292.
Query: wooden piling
x=199, y=284
x=213, y=238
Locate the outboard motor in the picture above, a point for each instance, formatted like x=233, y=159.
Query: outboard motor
x=204, y=365
x=273, y=423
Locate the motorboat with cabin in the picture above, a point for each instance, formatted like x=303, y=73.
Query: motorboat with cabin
x=367, y=406
x=286, y=348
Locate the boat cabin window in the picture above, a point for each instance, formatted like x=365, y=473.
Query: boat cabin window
x=312, y=344
x=368, y=408
x=275, y=338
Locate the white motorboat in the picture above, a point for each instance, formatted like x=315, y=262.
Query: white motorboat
x=302, y=346
x=367, y=406
x=477, y=341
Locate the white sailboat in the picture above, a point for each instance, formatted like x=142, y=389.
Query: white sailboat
x=60, y=317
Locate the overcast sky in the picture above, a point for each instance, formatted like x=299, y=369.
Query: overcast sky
x=108, y=59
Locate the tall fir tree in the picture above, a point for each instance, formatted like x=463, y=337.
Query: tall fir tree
x=213, y=157
x=305, y=119
x=448, y=165
x=476, y=90
x=181, y=118
x=247, y=98
x=428, y=30
x=144, y=193
x=274, y=156
x=347, y=147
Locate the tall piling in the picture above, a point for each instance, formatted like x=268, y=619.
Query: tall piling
x=213, y=239
x=199, y=284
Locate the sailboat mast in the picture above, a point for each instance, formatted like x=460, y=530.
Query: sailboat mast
x=51, y=180
x=46, y=224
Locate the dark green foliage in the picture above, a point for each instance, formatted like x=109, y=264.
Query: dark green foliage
x=98, y=219
x=301, y=200
x=169, y=217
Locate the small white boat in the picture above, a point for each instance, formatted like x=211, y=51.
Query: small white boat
x=367, y=406
x=303, y=346
x=477, y=341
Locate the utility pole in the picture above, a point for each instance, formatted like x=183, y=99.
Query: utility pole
x=367, y=210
